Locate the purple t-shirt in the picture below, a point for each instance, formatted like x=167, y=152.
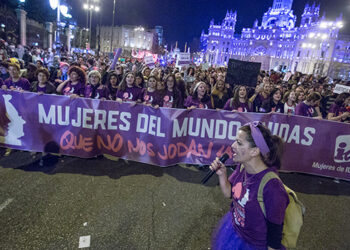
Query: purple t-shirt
x=101, y=92
x=151, y=97
x=248, y=219
x=41, y=89
x=242, y=107
x=304, y=110
x=21, y=84
x=130, y=94
x=336, y=110
x=190, y=101
x=78, y=89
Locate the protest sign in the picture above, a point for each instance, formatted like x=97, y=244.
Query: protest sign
x=88, y=127
x=287, y=76
x=242, y=73
x=183, y=59
x=341, y=89
x=149, y=61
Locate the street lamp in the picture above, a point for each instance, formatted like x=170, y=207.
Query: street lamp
x=90, y=6
x=61, y=9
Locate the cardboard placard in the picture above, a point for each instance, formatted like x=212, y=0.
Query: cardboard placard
x=242, y=73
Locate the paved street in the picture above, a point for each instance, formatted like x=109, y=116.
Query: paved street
x=137, y=206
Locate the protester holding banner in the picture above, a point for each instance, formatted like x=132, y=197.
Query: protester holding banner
x=273, y=103
x=128, y=91
x=261, y=94
x=15, y=81
x=307, y=107
x=219, y=95
x=112, y=84
x=94, y=89
x=151, y=96
x=199, y=98
x=340, y=109
x=75, y=86
x=139, y=80
x=245, y=226
x=60, y=75
x=239, y=102
x=171, y=95
x=42, y=85
x=289, y=100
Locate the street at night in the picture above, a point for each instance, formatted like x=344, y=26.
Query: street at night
x=137, y=206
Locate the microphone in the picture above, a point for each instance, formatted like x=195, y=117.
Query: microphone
x=223, y=158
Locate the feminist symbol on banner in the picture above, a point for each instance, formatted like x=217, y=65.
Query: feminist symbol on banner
x=13, y=130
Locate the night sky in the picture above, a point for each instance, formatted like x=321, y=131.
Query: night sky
x=183, y=20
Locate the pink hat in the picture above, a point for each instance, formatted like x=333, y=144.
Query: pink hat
x=63, y=64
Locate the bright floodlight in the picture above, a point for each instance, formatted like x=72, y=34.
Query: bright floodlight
x=22, y=1
x=64, y=10
x=85, y=6
x=324, y=36
x=311, y=35
x=53, y=4
x=97, y=8
x=340, y=24
x=323, y=25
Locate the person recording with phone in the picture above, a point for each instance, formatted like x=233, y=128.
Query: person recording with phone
x=245, y=227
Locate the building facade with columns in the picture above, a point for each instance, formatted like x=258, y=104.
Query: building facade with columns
x=315, y=47
x=127, y=37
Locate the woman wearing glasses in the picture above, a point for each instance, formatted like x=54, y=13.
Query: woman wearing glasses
x=245, y=226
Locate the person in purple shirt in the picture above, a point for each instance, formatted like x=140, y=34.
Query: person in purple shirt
x=128, y=91
x=151, y=96
x=15, y=81
x=239, y=102
x=199, y=98
x=171, y=95
x=42, y=85
x=338, y=110
x=245, y=226
x=94, y=89
x=75, y=85
x=273, y=103
x=112, y=84
x=306, y=108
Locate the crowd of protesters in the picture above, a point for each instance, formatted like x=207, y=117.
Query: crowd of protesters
x=98, y=77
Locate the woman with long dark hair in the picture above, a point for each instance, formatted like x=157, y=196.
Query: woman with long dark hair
x=171, y=95
x=273, y=103
x=112, y=84
x=340, y=109
x=245, y=227
x=128, y=91
x=239, y=102
x=219, y=95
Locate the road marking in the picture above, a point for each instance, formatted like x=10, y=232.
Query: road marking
x=84, y=241
x=5, y=204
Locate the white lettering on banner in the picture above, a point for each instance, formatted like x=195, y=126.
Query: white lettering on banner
x=77, y=122
x=149, y=124
x=323, y=166
x=59, y=116
x=205, y=129
x=85, y=118
x=102, y=121
x=47, y=118
x=180, y=131
x=282, y=130
x=342, y=149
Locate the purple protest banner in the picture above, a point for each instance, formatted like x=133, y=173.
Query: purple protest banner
x=87, y=127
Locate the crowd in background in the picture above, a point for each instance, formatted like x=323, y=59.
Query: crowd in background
x=91, y=76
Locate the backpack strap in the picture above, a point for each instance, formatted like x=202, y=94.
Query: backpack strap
x=267, y=177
